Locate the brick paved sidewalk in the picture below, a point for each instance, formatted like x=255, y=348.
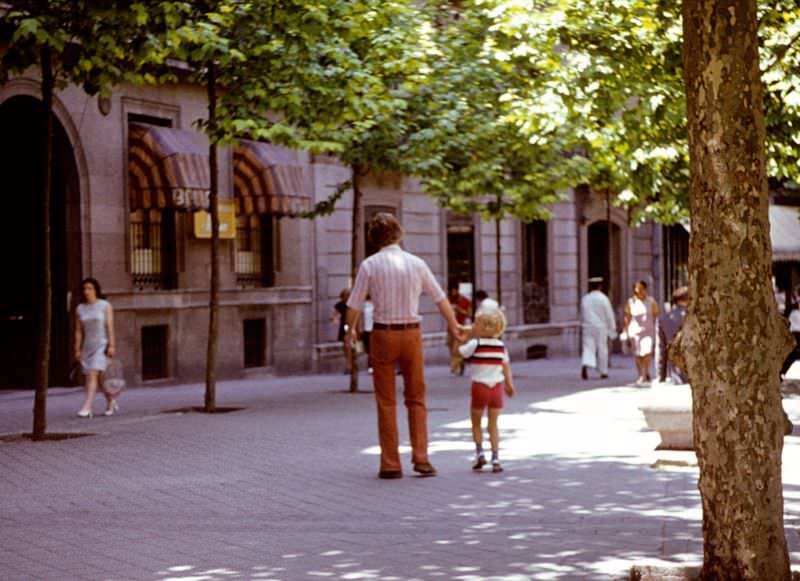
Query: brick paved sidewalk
x=287, y=488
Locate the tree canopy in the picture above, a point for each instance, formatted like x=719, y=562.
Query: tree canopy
x=532, y=98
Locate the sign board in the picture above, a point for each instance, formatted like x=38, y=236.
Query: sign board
x=227, y=221
x=190, y=199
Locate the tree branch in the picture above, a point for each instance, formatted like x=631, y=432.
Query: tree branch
x=328, y=205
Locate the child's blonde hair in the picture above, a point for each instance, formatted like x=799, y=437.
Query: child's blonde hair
x=492, y=319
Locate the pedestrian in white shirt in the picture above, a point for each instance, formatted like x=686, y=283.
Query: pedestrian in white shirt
x=794, y=328
x=598, y=326
x=367, y=320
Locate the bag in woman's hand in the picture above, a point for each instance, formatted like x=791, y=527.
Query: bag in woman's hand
x=76, y=374
x=114, y=378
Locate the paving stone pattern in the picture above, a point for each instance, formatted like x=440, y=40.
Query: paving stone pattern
x=287, y=488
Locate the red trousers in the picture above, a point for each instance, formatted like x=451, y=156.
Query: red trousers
x=390, y=349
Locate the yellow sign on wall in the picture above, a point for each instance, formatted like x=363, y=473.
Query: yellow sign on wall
x=227, y=221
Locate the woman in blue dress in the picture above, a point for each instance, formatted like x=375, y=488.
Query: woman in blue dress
x=94, y=343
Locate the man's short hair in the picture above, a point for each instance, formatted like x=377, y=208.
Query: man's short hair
x=384, y=229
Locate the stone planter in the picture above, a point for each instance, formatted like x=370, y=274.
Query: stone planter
x=669, y=411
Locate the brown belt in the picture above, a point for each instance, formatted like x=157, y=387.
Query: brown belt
x=395, y=326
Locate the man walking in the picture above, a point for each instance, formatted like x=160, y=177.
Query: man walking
x=668, y=326
x=395, y=279
x=598, y=326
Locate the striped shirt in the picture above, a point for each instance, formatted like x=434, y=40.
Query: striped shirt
x=394, y=279
x=486, y=357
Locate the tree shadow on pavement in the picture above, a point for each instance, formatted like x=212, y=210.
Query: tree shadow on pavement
x=578, y=500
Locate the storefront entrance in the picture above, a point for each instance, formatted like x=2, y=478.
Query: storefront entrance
x=21, y=172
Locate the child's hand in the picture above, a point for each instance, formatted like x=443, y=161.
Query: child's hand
x=510, y=390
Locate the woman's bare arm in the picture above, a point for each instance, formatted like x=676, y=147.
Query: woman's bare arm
x=78, y=337
x=110, y=330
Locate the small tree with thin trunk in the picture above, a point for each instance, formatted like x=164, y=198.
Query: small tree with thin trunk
x=92, y=44
x=391, y=49
x=292, y=73
x=471, y=146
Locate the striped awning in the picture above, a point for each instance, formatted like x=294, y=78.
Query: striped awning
x=167, y=168
x=784, y=222
x=267, y=179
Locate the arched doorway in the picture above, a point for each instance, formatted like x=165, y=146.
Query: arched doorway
x=605, y=258
x=21, y=154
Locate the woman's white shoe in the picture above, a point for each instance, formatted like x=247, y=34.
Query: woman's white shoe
x=112, y=407
x=84, y=414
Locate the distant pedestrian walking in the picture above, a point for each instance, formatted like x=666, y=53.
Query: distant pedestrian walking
x=339, y=317
x=367, y=324
x=480, y=296
x=597, y=327
x=395, y=279
x=668, y=326
x=490, y=371
x=639, y=325
x=94, y=344
x=462, y=307
x=794, y=327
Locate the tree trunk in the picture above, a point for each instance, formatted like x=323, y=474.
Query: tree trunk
x=213, y=303
x=356, y=227
x=499, y=261
x=45, y=332
x=733, y=341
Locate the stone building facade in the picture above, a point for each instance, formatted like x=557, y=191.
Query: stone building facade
x=545, y=266
x=129, y=182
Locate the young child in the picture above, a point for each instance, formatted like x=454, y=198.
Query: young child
x=491, y=375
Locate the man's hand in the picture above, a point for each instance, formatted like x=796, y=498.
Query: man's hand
x=352, y=335
x=460, y=332
x=510, y=391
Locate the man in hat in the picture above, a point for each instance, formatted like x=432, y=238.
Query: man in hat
x=668, y=326
x=598, y=326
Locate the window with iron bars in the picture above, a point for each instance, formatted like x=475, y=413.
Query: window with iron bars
x=153, y=249
x=535, y=292
x=256, y=250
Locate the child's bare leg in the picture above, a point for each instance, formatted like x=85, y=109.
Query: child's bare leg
x=494, y=438
x=494, y=433
x=476, y=415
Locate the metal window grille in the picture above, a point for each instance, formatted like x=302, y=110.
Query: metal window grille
x=248, y=250
x=535, y=295
x=257, y=251
x=147, y=249
x=676, y=259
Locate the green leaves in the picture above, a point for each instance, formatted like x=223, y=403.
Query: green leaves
x=508, y=98
x=95, y=44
